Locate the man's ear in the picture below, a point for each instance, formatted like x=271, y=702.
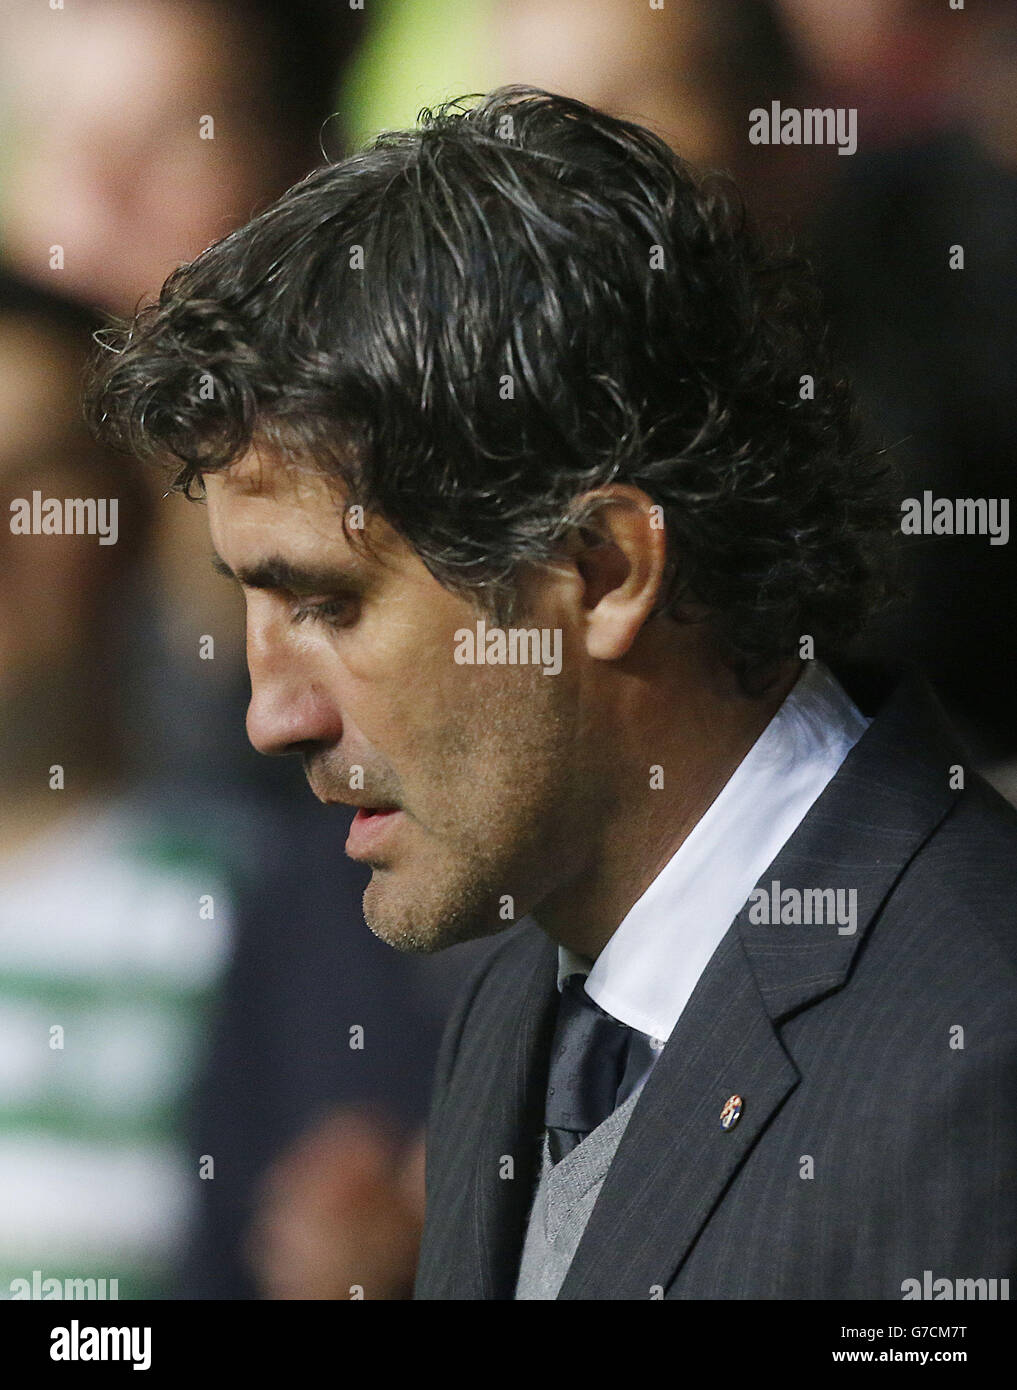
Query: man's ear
x=621, y=556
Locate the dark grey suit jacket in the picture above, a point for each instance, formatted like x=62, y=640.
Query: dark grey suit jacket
x=844, y=1049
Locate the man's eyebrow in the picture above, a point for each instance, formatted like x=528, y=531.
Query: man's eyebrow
x=277, y=573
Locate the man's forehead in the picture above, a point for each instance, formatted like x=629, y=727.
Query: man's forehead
x=280, y=477
x=266, y=504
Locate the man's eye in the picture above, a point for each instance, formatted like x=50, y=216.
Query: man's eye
x=338, y=612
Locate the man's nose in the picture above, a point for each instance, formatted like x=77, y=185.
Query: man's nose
x=289, y=708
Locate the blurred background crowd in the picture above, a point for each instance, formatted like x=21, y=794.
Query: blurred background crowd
x=213, y=1079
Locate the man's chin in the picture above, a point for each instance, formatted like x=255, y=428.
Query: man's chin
x=404, y=920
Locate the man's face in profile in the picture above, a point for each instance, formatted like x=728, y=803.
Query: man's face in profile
x=474, y=768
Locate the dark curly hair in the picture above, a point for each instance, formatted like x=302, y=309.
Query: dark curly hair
x=476, y=322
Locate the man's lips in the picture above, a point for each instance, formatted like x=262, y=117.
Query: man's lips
x=369, y=828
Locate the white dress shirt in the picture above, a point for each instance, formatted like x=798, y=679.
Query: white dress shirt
x=646, y=973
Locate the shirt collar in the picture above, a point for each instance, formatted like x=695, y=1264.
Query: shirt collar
x=649, y=968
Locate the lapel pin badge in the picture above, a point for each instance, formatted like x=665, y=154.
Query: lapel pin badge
x=731, y=1113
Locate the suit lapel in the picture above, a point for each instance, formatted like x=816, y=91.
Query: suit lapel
x=675, y=1159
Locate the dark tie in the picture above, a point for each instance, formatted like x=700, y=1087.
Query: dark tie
x=596, y=1064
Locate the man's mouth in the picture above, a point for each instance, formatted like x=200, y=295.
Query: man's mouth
x=368, y=828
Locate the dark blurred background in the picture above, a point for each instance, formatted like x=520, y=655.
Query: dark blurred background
x=213, y=1079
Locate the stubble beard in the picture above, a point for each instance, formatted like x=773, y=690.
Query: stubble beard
x=497, y=844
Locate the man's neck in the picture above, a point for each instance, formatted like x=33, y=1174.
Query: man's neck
x=649, y=819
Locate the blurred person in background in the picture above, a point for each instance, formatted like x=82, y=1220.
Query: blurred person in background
x=142, y=130
x=689, y=72
x=917, y=244
x=107, y=966
x=894, y=60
